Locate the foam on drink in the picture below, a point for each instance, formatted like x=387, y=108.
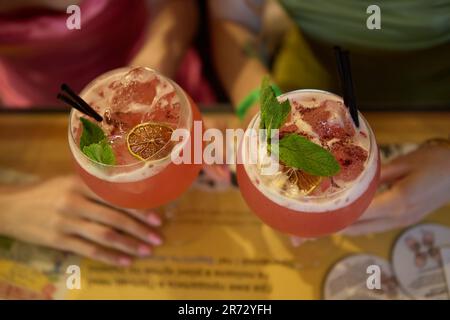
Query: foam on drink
x=126, y=98
x=322, y=118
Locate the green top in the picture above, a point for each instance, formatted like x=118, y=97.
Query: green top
x=405, y=64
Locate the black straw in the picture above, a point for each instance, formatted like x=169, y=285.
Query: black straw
x=72, y=103
x=83, y=106
x=345, y=76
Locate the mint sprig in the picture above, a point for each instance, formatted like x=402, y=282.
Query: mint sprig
x=298, y=152
x=92, y=133
x=294, y=150
x=273, y=113
x=94, y=144
x=101, y=152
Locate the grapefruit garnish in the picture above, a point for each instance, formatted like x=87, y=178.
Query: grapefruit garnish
x=146, y=140
x=305, y=182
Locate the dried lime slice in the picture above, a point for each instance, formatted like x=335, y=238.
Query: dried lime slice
x=146, y=140
x=305, y=182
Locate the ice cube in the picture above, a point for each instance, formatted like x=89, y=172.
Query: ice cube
x=135, y=96
x=330, y=120
x=351, y=159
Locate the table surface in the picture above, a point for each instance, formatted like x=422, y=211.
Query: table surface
x=36, y=144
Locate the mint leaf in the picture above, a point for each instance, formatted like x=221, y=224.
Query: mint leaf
x=93, y=143
x=108, y=156
x=273, y=113
x=94, y=151
x=294, y=150
x=298, y=152
x=101, y=152
x=92, y=133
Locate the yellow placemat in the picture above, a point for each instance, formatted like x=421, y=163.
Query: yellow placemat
x=231, y=255
x=227, y=253
x=216, y=249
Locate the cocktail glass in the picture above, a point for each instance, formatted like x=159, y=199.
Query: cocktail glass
x=317, y=214
x=126, y=97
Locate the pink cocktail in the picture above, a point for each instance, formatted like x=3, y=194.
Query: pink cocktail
x=126, y=98
x=279, y=200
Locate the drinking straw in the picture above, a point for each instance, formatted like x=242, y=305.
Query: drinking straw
x=72, y=104
x=82, y=105
x=346, y=79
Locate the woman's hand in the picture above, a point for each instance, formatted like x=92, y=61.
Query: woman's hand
x=58, y=213
x=418, y=183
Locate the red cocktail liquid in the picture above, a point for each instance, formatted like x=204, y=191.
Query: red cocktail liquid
x=126, y=98
x=337, y=201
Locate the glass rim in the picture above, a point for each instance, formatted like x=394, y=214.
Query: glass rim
x=337, y=193
x=184, y=101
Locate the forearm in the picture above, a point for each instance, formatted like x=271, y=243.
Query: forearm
x=168, y=36
x=239, y=70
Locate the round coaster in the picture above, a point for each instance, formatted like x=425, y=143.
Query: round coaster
x=356, y=277
x=417, y=261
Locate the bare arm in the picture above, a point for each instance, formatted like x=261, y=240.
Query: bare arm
x=239, y=71
x=169, y=35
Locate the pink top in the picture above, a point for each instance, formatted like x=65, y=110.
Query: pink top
x=38, y=52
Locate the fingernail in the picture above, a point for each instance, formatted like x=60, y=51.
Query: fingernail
x=153, y=219
x=124, y=261
x=143, y=250
x=154, y=239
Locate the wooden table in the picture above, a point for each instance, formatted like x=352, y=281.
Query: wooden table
x=36, y=144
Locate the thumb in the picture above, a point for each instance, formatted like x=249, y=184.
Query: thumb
x=394, y=170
